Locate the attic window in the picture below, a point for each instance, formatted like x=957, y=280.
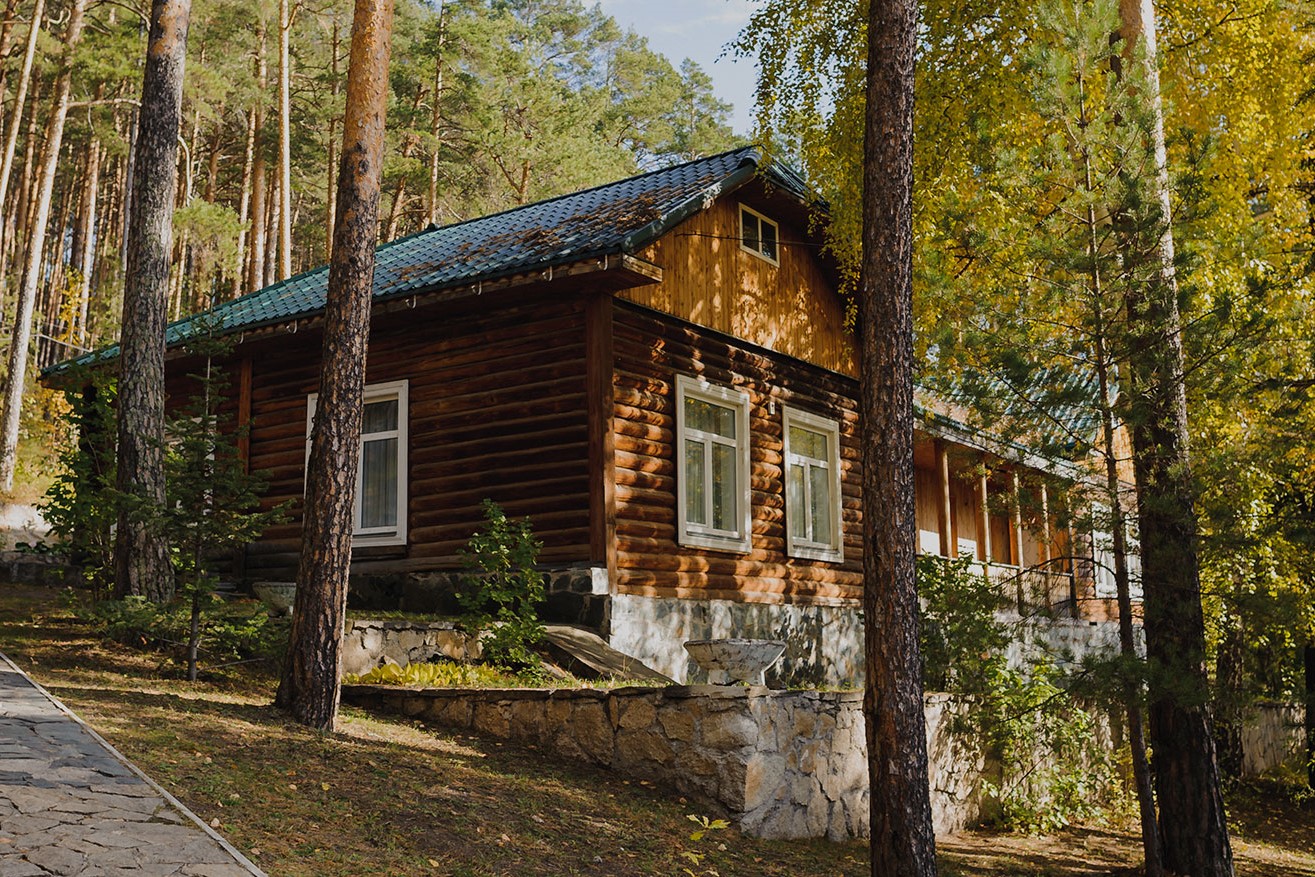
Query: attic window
x=758, y=234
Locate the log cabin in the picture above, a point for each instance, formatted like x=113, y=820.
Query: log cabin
x=658, y=373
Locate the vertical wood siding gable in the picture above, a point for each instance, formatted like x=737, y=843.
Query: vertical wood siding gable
x=710, y=280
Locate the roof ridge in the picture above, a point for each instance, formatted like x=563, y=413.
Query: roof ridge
x=750, y=149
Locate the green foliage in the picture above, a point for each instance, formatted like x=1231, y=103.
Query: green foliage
x=81, y=504
x=445, y=674
x=212, y=502
x=234, y=631
x=503, y=591
x=962, y=643
x=1029, y=719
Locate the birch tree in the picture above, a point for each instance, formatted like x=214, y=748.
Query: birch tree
x=310, y=686
x=21, y=338
x=141, y=559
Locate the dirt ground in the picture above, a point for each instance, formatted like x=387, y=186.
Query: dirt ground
x=390, y=797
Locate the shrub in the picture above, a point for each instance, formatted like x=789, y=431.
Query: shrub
x=1029, y=718
x=234, y=631
x=502, y=592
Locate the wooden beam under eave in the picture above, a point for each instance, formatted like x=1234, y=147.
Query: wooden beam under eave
x=600, y=402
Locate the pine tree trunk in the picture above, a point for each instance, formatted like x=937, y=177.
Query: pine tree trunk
x=1132, y=687
x=331, y=199
x=141, y=560
x=87, y=255
x=240, y=274
x=1192, y=820
x=21, y=338
x=259, y=210
x=310, y=685
x=436, y=119
x=1308, y=659
x=902, y=842
x=6, y=46
x=285, y=142
x=20, y=100
x=1228, y=705
x=129, y=187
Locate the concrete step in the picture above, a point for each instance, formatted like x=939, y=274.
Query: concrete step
x=588, y=656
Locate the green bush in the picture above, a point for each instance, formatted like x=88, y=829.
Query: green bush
x=1030, y=719
x=503, y=590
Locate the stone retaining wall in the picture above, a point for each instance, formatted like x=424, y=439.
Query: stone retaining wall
x=368, y=643
x=1274, y=737
x=785, y=764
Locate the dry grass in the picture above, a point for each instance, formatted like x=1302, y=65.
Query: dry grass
x=388, y=797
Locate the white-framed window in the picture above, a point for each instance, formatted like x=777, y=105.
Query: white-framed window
x=379, y=515
x=758, y=234
x=812, y=486
x=712, y=465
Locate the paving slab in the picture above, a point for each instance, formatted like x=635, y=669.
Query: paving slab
x=72, y=806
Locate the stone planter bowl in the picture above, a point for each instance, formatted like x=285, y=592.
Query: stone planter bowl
x=277, y=596
x=735, y=660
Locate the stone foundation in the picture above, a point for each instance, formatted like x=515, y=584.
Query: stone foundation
x=785, y=764
x=824, y=644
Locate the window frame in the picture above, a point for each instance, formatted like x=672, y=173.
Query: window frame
x=774, y=260
x=691, y=533
x=832, y=551
x=382, y=392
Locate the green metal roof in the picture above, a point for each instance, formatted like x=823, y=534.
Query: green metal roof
x=620, y=217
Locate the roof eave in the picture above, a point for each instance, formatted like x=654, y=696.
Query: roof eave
x=645, y=235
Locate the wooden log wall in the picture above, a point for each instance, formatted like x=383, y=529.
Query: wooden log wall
x=650, y=350
x=497, y=410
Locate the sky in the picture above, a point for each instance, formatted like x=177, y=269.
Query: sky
x=697, y=29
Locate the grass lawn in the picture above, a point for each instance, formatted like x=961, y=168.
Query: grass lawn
x=390, y=797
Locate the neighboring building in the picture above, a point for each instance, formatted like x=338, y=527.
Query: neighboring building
x=658, y=373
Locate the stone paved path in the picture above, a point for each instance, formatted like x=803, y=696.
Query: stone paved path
x=71, y=805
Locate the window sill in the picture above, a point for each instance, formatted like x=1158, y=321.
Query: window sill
x=715, y=543
x=825, y=555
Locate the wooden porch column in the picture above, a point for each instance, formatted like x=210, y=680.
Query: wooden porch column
x=600, y=401
x=1044, y=549
x=984, y=521
x=943, y=519
x=1016, y=512
x=1016, y=540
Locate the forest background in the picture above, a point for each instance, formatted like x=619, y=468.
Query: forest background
x=496, y=104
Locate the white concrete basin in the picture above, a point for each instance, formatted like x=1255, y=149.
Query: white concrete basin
x=735, y=660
